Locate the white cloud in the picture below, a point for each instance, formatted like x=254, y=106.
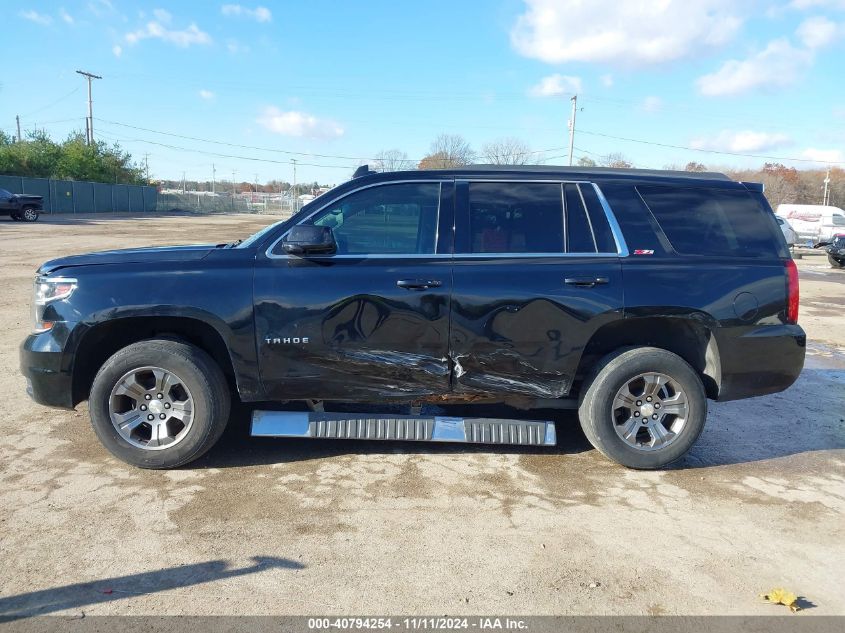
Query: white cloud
x=235, y=47
x=156, y=30
x=39, y=18
x=259, y=13
x=624, y=33
x=824, y=155
x=811, y=4
x=66, y=17
x=817, y=32
x=778, y=65
x=206, y=94
x=117, y=49
x=607, y=81
x=555, y=85
x=741, y=141
x=162, y=16
x=294, y=123
x=652, y=104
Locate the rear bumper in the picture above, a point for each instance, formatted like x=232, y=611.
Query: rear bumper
x=45, y=367
x=760, y=360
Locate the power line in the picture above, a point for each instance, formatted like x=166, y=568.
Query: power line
x=711, y=151
x=52, y=103
x=276, y=150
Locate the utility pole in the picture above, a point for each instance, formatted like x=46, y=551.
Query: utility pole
x=826, y=198
x=89, y=77
x=233, y=189
x=147, y=166
x=293, y=198
x=213, y=175
x=574, y=100
x=18, y=120
x=256, y=183
x=183, y=182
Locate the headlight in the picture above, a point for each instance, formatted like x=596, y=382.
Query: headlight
x=46, y=290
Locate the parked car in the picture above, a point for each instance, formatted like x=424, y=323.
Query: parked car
x=789, y=233
x=836, y=251
x=20, y=206
x=815, y=224
x=632, y=296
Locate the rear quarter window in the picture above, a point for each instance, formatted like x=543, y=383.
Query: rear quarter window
x=713, y=222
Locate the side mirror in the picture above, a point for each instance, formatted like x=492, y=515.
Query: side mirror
x=310, y=240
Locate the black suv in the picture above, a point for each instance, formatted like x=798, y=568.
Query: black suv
x=836, y=251
x=20, y=206
x=630, y=295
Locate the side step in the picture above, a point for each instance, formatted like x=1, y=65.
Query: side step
x=364, y=426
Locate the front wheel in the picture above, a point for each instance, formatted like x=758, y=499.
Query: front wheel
x=29, y=215
x=159, y=403
x=644, y=407
x=835, y=263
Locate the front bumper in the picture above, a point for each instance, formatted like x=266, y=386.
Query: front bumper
x=45, y=366
x=760, y=360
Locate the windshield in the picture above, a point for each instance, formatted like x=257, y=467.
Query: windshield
x=253, y=239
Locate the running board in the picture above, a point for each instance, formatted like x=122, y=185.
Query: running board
x=363, y=426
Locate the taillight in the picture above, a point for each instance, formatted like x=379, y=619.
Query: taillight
x=791, y=292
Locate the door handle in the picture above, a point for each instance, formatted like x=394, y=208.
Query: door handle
x=419, y=284
x=585, y=282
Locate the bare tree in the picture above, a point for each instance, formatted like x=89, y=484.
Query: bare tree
x=507, y=151
x=448, y=150
x=694, y=166
x=392, y=160
x=617, y=160
x=586, y=161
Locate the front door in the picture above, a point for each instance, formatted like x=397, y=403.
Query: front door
x=370, y=322
x=536, y=273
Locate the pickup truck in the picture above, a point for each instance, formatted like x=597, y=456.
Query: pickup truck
x=632, y=296
x=20, y=206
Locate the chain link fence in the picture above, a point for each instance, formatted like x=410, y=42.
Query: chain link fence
x=204, y=202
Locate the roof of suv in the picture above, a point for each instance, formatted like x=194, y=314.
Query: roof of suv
x=546, y=171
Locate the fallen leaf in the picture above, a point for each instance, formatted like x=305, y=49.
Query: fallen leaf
x=782, y=596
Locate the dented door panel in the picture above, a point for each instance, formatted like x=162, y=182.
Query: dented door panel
x=518, y=328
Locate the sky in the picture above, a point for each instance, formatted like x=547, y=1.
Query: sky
x=194, y=86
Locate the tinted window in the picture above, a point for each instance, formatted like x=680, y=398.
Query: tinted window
x=387, y=219
x=720, y=222
x=598, y=220
x=5, y=194
x=508, y=217
x=579, y=233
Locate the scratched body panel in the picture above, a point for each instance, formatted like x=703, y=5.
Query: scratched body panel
x=366, y=338
x=517, y=328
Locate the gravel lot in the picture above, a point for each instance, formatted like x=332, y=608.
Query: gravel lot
x=299, y=527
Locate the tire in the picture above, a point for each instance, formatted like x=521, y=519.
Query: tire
x=601, y=419
x=196, y=387
x=29, y=214
x=835, y=263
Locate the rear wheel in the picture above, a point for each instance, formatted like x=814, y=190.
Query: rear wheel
x=834, y=262
x=159, y=403
x=29, y=214
x=643, y=408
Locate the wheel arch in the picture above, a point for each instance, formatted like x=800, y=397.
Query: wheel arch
x=691, y=339
x=102, y=340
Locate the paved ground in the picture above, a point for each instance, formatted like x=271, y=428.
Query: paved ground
x=298, y=527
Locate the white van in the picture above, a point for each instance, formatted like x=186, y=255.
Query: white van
x=813, y=222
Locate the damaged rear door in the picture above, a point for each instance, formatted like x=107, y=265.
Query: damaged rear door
x=370, y=322
x=536, y=273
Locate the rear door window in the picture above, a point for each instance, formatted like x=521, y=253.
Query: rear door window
x=712, y=222
x=511, y=217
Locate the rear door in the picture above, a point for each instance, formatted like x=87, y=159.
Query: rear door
x=536, y=273
x=370, y=322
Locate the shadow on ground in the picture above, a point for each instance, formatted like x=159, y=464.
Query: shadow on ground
x=84, y=594
x=758, y=429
